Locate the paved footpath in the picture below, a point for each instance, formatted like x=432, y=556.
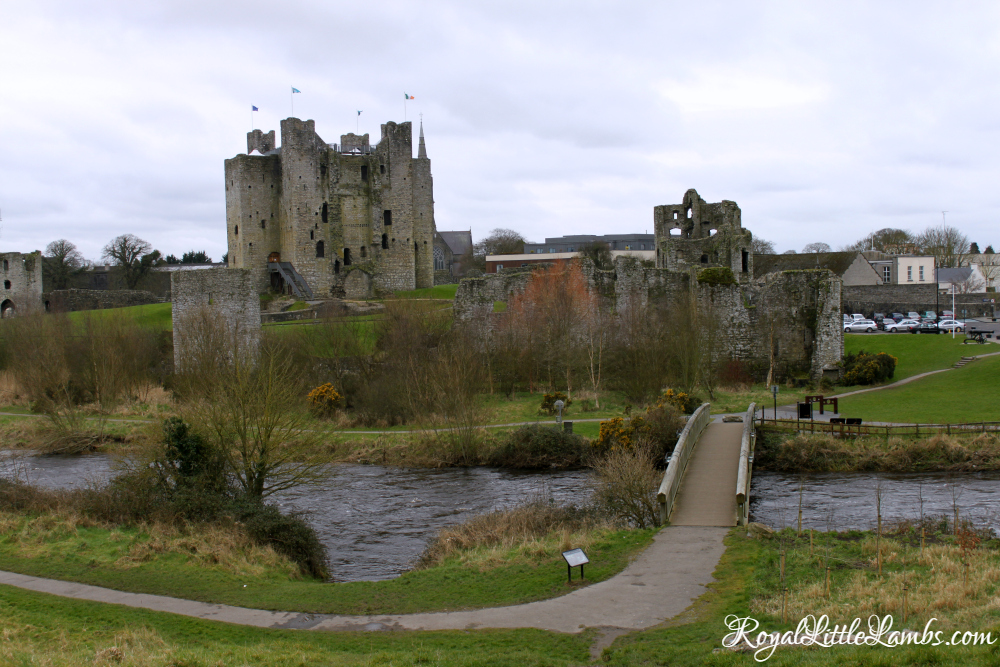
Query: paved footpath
x=661, y=583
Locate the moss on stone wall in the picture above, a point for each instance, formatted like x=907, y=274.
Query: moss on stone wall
x=716, y=275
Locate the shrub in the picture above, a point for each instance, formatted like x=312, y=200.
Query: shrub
x=716, y=275
x=683, y=402
x=626, y=485
x=539, y=447
x=867, y=368
x=657, y=428
x=324, y=401
x=288, y=534
x=549, y=403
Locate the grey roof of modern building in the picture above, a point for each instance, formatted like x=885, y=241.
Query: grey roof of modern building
x=950, y=275
x=838, y=262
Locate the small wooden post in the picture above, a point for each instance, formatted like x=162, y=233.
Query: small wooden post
x=784, y=603
x=828, y=582
x=782, y=566
x=904, y=603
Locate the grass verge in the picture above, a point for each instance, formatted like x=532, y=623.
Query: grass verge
x=917, y=353
x=48, y=630
x=190, y=565
x=749, y=584
x=155, y=315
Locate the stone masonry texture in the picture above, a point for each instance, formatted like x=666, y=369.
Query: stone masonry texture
x=229, y=293
x=21, y=290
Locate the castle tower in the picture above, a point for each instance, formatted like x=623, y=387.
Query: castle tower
x=423, y=216
x=346, y=218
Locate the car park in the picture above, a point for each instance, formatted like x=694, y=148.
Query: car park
x=885, y=322
x=913, y=315
x=857, y=316
x=878, y=317
x=929, y=316
x=860, y=325
x=903, y=325
x=898, y=316
x=951, y=325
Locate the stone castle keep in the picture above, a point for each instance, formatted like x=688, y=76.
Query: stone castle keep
x=322, y=220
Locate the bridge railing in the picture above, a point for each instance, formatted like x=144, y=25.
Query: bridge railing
x=696, y=423
x=745, y=470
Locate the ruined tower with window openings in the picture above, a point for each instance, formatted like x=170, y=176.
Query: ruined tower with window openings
x=698, y=234
x=321, y=220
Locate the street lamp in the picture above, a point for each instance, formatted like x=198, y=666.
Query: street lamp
x=559, y=406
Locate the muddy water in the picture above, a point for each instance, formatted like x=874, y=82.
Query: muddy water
x=375, y=521
x=846, y=501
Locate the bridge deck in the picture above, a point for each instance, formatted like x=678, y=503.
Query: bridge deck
x=707, y=495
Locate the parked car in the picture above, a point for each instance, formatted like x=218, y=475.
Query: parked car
x=927, y=327
x=903, y=325
x=885, y=322
x=878, y=317
x=858, y=316
x=913, y=315
x=929, y=316
x=860, y=325
x=898, y=316
x=950, y=325
x=947, y=315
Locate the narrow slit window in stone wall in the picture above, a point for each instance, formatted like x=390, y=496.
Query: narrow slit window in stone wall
x=319, y=249
x=387, y=218
x=347, y=256
x=746, y=260
x=311, y=237
x=364, y=252
x=6, y=284
x=324, y=216
x=263, y=224
x=381, y=168
x=336, y=266
x=236, y=230
x=385, y=242
x=364, y=172
x=6, y=265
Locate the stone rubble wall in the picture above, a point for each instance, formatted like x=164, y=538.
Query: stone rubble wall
x=888, y=299
x=69, y=300
x=21, y=286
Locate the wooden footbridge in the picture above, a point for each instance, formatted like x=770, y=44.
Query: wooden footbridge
x=707, y=482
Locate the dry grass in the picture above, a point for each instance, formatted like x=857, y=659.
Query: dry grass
x=10, y=392
x=224, y=548
x=535, y=530
x=936, y=581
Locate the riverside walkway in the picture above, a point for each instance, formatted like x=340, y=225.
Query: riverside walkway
x=658, y=585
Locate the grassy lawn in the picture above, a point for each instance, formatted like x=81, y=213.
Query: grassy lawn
x=969, y=394
x=436, y=292
x=156, y=315
x=150, y=561
x=40, y=629
x=917, y=353
x=749, y=584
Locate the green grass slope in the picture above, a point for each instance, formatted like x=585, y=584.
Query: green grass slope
x=968, y=394
x=917, y=353
x=156, y=315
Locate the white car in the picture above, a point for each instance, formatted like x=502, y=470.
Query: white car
x=949, y=325
x=857, y=316
x=902, y=325
x=860, y=325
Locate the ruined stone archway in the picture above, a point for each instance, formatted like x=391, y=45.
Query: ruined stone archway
x=7, y=308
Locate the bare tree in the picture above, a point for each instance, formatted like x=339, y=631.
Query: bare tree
x=61, y=261
x=970, y=285
x=888, y=240
x=948, y=245
x=761, y=246
x=133, y=255
x=817, y=247
x=599, y=253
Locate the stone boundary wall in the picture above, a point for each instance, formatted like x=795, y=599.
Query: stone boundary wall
x=231, y=294
x=69, y=300
x=870, y=299
x=806, y=305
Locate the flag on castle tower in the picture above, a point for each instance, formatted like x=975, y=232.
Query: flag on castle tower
x=359, y=113
x=253, y=108
x=295, y=90
x=409, y=97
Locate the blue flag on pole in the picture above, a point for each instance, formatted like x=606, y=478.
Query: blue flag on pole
x=359, y=113
x=296, y=90
x=253, y=108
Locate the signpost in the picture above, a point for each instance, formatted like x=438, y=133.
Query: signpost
x=573, y=558
x=559, y=406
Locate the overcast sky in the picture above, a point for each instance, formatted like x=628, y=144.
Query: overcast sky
x=823, y=121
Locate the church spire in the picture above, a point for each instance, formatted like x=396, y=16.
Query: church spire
x=422, y=151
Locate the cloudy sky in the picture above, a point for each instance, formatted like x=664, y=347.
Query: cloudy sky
x=823, y=121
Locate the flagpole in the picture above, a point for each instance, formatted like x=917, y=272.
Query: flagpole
x=291, y=100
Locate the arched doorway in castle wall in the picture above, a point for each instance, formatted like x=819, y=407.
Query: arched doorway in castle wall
x=7, y=308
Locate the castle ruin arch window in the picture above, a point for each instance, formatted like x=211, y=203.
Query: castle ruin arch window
x=336, y=266
x=385, y=242
x=236, y=230
x=676, y=231
x=675, y=215
x=745, y=260
x=364, y=172
x=320, y=252
x=689, y=214
x=387, y=218
x=311, y=237
x=381, y=168
x=6, y=284
x=7, y=309
x=438, y=259
x=263, y=224
x=324, y=216
x=347, y=256
x=364, y=252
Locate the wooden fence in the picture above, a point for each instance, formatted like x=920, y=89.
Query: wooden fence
x=855, y=430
